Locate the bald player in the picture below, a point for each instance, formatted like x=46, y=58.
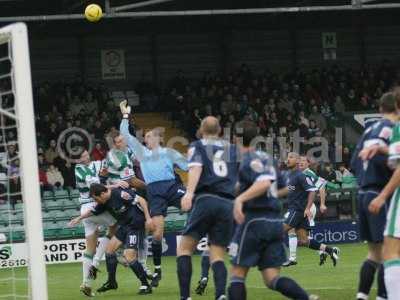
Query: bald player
x=210, y=193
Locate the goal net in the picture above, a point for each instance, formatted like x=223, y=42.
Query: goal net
x=22, y=267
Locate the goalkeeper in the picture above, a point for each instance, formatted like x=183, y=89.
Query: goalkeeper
x=163, y=190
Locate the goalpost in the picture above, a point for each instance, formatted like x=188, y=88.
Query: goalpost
x=17, y=114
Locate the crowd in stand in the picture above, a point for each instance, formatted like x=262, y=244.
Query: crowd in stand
x=310, y=103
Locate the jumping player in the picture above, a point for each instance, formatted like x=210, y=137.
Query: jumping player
x=372, y=175
x=132, y=214
x=157, y=165
x=86, y=173
x=258, y=239
x=301, y=194
x=120, y=166
x=209, y=196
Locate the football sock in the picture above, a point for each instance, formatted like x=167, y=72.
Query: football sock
x=101, y=249
x=184, y=264
x=205, y=265
x=220, y=276
x=156, y=247
x=313, y=244
x=140, y=273
x=381, y=282
x=142, y=253
x=367, y=274
x=237, y=289
x=292, y=246
x=288, y=288
x=111, y=262
x=87, y=262
x=392, y=278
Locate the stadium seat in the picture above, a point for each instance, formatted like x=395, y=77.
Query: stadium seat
x=5, y=207
x=51, y=230
x=19, y=207
x=76, y=202
x=72, y=212
x=61, y=194
x=16, y=218
x=73, y=193
x=61, y=215
x=48, y=195
x=48, y=216
x=17, y=234
x=52, y=205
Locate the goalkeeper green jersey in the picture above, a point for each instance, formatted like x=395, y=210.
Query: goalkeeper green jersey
x=85, y=175
x=119, y=166
x=318, y=182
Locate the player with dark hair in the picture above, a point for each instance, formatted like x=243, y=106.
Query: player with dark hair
x=86, y=173
x=258, y=240
x=372, y=175
x=209, y=197
x=301, y=194
x=319, y=182
x=132, y=215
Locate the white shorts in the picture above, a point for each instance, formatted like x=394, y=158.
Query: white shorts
x=92, y=223
x=393, y=217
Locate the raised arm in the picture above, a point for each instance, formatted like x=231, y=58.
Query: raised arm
x=178, y=159
x=133, y=143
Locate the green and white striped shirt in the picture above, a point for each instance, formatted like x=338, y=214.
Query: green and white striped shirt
x=119, y=166
x=85, y=175
x=318, y=182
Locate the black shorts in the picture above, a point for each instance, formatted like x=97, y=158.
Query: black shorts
x=259, y=242
x=131, y=238
x=211, y=215
x=371, y=226
x=297, y=220
x=162, y=194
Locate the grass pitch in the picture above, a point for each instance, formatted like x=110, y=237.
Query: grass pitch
x=329, y=283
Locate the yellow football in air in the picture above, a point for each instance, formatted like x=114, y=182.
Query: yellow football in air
x=93, y=12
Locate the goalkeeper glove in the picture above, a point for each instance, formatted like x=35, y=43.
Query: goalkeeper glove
x=125, y=109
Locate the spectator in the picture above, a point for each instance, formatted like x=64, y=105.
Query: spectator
x=76, y=106
x=343, y=172
x=339, y=105
x=44, y=185
x=329, y=173
x=54, y=177
x=41, y=161
x=51, y=153
x=14, y=182
x=318, y=118
x=12, y=153
x=98, y=152
x=313, y=129
x=98, y=131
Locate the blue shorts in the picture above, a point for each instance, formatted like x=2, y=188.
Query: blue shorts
x=371, y=226
x=131, y=237
x=296, y=219
x=259, y=242
x=162, y=194
x=211, y=215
